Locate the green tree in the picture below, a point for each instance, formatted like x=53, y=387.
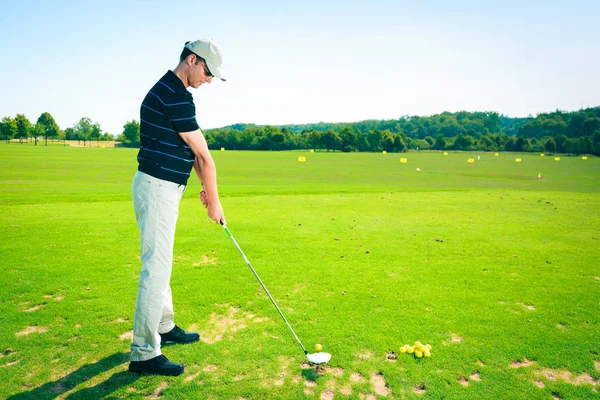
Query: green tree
x=37, y=130
x=49, y=126
x=95, y=132
x=23, y=127
x=440, y=142
x=314, y=139
x=277, y=138
x=330, y=140
x=596, y=143
x=463, y=142
x=8, y=128
x=131, y=132
x=550, y=145
x=348, y=139
x=83, y=129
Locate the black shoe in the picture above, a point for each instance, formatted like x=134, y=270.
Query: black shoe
x=178, y=336
x=158, y=366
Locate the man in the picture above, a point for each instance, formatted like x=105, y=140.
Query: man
x=171, y=143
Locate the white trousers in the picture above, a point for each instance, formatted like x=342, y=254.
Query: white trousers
x=156, y=204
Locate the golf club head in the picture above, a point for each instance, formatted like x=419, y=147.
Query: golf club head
x=318, y=358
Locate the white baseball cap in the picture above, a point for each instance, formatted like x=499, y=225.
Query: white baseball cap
x=209, y=51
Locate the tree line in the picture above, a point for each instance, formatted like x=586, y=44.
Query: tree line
x=576, y=132
x=45, y=128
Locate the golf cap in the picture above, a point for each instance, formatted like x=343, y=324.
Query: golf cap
x=207, y=49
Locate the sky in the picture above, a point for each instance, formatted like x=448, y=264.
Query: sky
x=302, y=61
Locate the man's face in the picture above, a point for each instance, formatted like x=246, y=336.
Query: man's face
x=199, y=74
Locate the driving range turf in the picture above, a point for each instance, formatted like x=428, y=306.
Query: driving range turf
x=494, y=267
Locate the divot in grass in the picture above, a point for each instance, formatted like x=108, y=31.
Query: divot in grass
x=11, y=363
x=205, y=261
x=126, y=336
x=356, y=377
x=420, y=389
x=191, y=377
x=568, y=377
x=34, y=308
x=158, y=391
x=519, y=363
x=454, y=338
x=463, y=381
x=225, y=325
x=379, y=384
x=526, y=306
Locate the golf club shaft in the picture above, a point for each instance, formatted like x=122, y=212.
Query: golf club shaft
x=263, y=286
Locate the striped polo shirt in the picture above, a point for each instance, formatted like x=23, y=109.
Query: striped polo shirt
x=167, y=109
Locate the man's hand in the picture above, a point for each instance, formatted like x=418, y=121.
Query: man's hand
x=215, y=212
x=204, y=198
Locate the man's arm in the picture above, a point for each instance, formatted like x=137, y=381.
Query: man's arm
x=206, y=171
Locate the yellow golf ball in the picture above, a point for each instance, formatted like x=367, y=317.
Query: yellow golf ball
x=318, y=347
x=428, y=346
x=419, y=354
x=410, y=350
x=427, y=353
x=403, y=349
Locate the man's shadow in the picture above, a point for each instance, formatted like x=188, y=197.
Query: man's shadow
x=57, y=388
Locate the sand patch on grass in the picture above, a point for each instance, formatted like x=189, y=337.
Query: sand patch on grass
x=379, y=385
x=356, y=377
x=346, y=390
x=11, y=363
x=283, y=370
x=390, y=355
x=475, y=377
x=309, y=383
x=191, y=377
x=454, y=338
x=34, y=308
x=126, y=336
x=205, y=260
x=210, y=368
x=366, y=355
x=560, y=326
x=226, y=323
x=539, y=384
x=556, y=396
x=335, y=371
x=463, y=381
x=32, y=329
x=157, y=392
x=120, y=320
x=528, y=307
x=327, y=395
x=568, y=377
x=519, y=363
x=480, y=363
x=55, y=297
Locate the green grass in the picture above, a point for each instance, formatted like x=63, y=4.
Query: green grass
x=363, y=254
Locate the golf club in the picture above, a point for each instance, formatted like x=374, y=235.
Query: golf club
x=315, y=358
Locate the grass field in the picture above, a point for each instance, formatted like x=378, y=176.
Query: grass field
x=497, y=269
